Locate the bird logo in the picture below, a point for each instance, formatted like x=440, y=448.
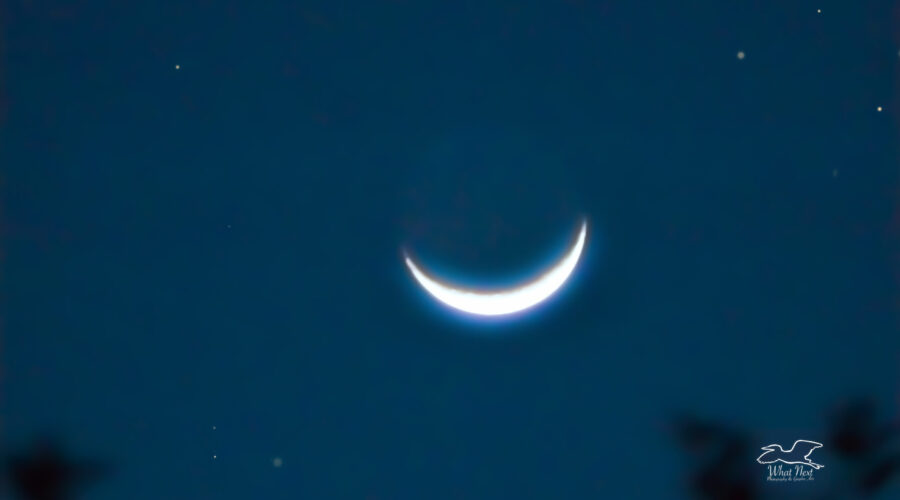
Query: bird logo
x=798, y=454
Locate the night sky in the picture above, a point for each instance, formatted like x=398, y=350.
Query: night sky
x=205, y=207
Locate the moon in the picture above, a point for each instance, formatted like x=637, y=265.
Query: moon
x=509, y=301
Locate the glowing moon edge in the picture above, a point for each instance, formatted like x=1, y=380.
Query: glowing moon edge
x=503, y=302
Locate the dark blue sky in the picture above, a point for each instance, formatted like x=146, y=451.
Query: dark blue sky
x=220, y=244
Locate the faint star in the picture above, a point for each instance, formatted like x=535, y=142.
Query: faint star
x=834, y=173
x=819, y=11
x=177, y=66
x=214, y=427
x=215, y=456
x=740, y=54
x=277, y=462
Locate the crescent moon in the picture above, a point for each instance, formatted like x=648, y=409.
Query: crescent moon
x=503, y=302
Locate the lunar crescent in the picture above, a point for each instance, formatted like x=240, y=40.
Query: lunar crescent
x=509, y=301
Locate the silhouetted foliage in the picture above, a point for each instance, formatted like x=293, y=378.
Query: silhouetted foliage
x=877, y=476
x=723, y=454
x=868, y=445
x=725, y=468
x=44, y=473
x=852, y=433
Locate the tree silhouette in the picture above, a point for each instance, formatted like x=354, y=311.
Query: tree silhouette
x=866, y=445
x=725, y=470
x=45, y=473
x=723, y=455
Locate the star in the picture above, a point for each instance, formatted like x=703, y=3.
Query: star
x=215, y=456
x=834, y=173
x=879, y=109
x=177, y=66
x=740, y=54
x=819, y=11
x=277, y=462
x=214, y=427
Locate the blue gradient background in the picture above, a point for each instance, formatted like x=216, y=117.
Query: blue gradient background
x=221, y=245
